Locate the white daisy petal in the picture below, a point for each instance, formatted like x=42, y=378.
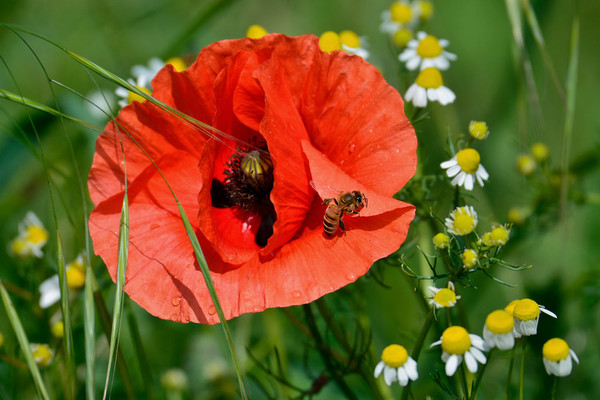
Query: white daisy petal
x=379, y=369
x=411, y=369
x=471, y=362
x=452, y=364
x=547, y=312
x=450, y=163
x=389, y=375
x=445, y=95
x=479, y=356
x=574, y=356
x=469, y=182
x=402, y=376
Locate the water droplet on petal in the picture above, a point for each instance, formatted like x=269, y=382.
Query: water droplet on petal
x=186, y=319
x=351, y=148
x=176, y=300
x=175, y=317
x=351, y=277
x=256, y=309
x=212, y=310
x=296, y=294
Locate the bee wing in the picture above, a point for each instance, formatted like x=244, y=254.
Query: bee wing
x=325, y=191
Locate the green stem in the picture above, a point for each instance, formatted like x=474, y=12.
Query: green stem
x=322, y=348
x=418, y=345
x=363, y=367
x=480, y=376
x=522, y=375
x=463, y=380
x=554, y=386
x=510, y=368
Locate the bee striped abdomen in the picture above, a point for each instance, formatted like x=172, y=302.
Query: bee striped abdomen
x=332, y=218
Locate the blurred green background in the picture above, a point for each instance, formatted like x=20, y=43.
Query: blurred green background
x=488, y=82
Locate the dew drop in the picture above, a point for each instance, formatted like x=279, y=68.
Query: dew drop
x=176, y=300
x=342, y=162
x=212, y=310
x=186, y=319
x=296, y=294
x=256, y=309
x=397, y=150
x=351, y=277
x=175, y=317
x=351, y=148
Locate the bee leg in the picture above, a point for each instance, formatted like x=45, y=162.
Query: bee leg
x=342, y=226
x=327, y=201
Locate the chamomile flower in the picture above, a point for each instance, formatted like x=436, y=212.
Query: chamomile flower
x=429, y=85
x=58, y=329
x=465, y=167
x=402, y=36
x=478, y=130
x=469, y=258
x=255, y=32
x=462, y=221
x=444, y=297
x=401, y=14
x=426, y=51
x=396, y=365
x=345, y=40
x=540, y=152
x=175, y=379
x=441, y=241
x=425, y=9
x=518, y=215
x=42, y=354
x=526, y=164
x=31, y=238
x=527, y=316
x=457, y=344
x=498, y=330
x=499, y=235
x=49, y=291
x=558, y=357
x=50, y=288
x=142, y=78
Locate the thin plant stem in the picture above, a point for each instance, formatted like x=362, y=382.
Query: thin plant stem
x=510, y=368
x=463, y=380
x=322, y=349
x=554, y=387
x=522, y=375
x=418, y=346
x=480, y=376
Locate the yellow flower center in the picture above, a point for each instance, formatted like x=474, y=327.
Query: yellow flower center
x=500, y=322
x=445, y=297
x=75, y=275
x=540, y=152
x=41, y=354
x=401, y=12
x=555, y=350
x=177, y=63
x=426, y=10
x=441, y=241
x=526, y=310
x=517, y=215
x=499, y=236
x=36, y=234
x=394, y=355
x=468, y=159
x=57, y=329
x=526, y=164
x=402, y=37
x=136, y=97
x=429, y=47
x=456, y=340
x=469, y=258
x=350, y=39
x=430, y=78
x=463, y=224
x=510, y=308
x=330, y=41
x=486, y=239
x=478, y=130
x=18, y=247
x=255, y=32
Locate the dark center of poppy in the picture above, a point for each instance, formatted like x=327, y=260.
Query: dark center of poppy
x=248, y=184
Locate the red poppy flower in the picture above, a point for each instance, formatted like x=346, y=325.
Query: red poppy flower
x=315, y=125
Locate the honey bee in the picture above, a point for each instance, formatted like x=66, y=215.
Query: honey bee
x=348, y=202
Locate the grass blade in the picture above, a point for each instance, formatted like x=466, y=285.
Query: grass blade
x=138, y=344
x=24, y=343
x=64, y=307
x=570, y=115
x=119, y=293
